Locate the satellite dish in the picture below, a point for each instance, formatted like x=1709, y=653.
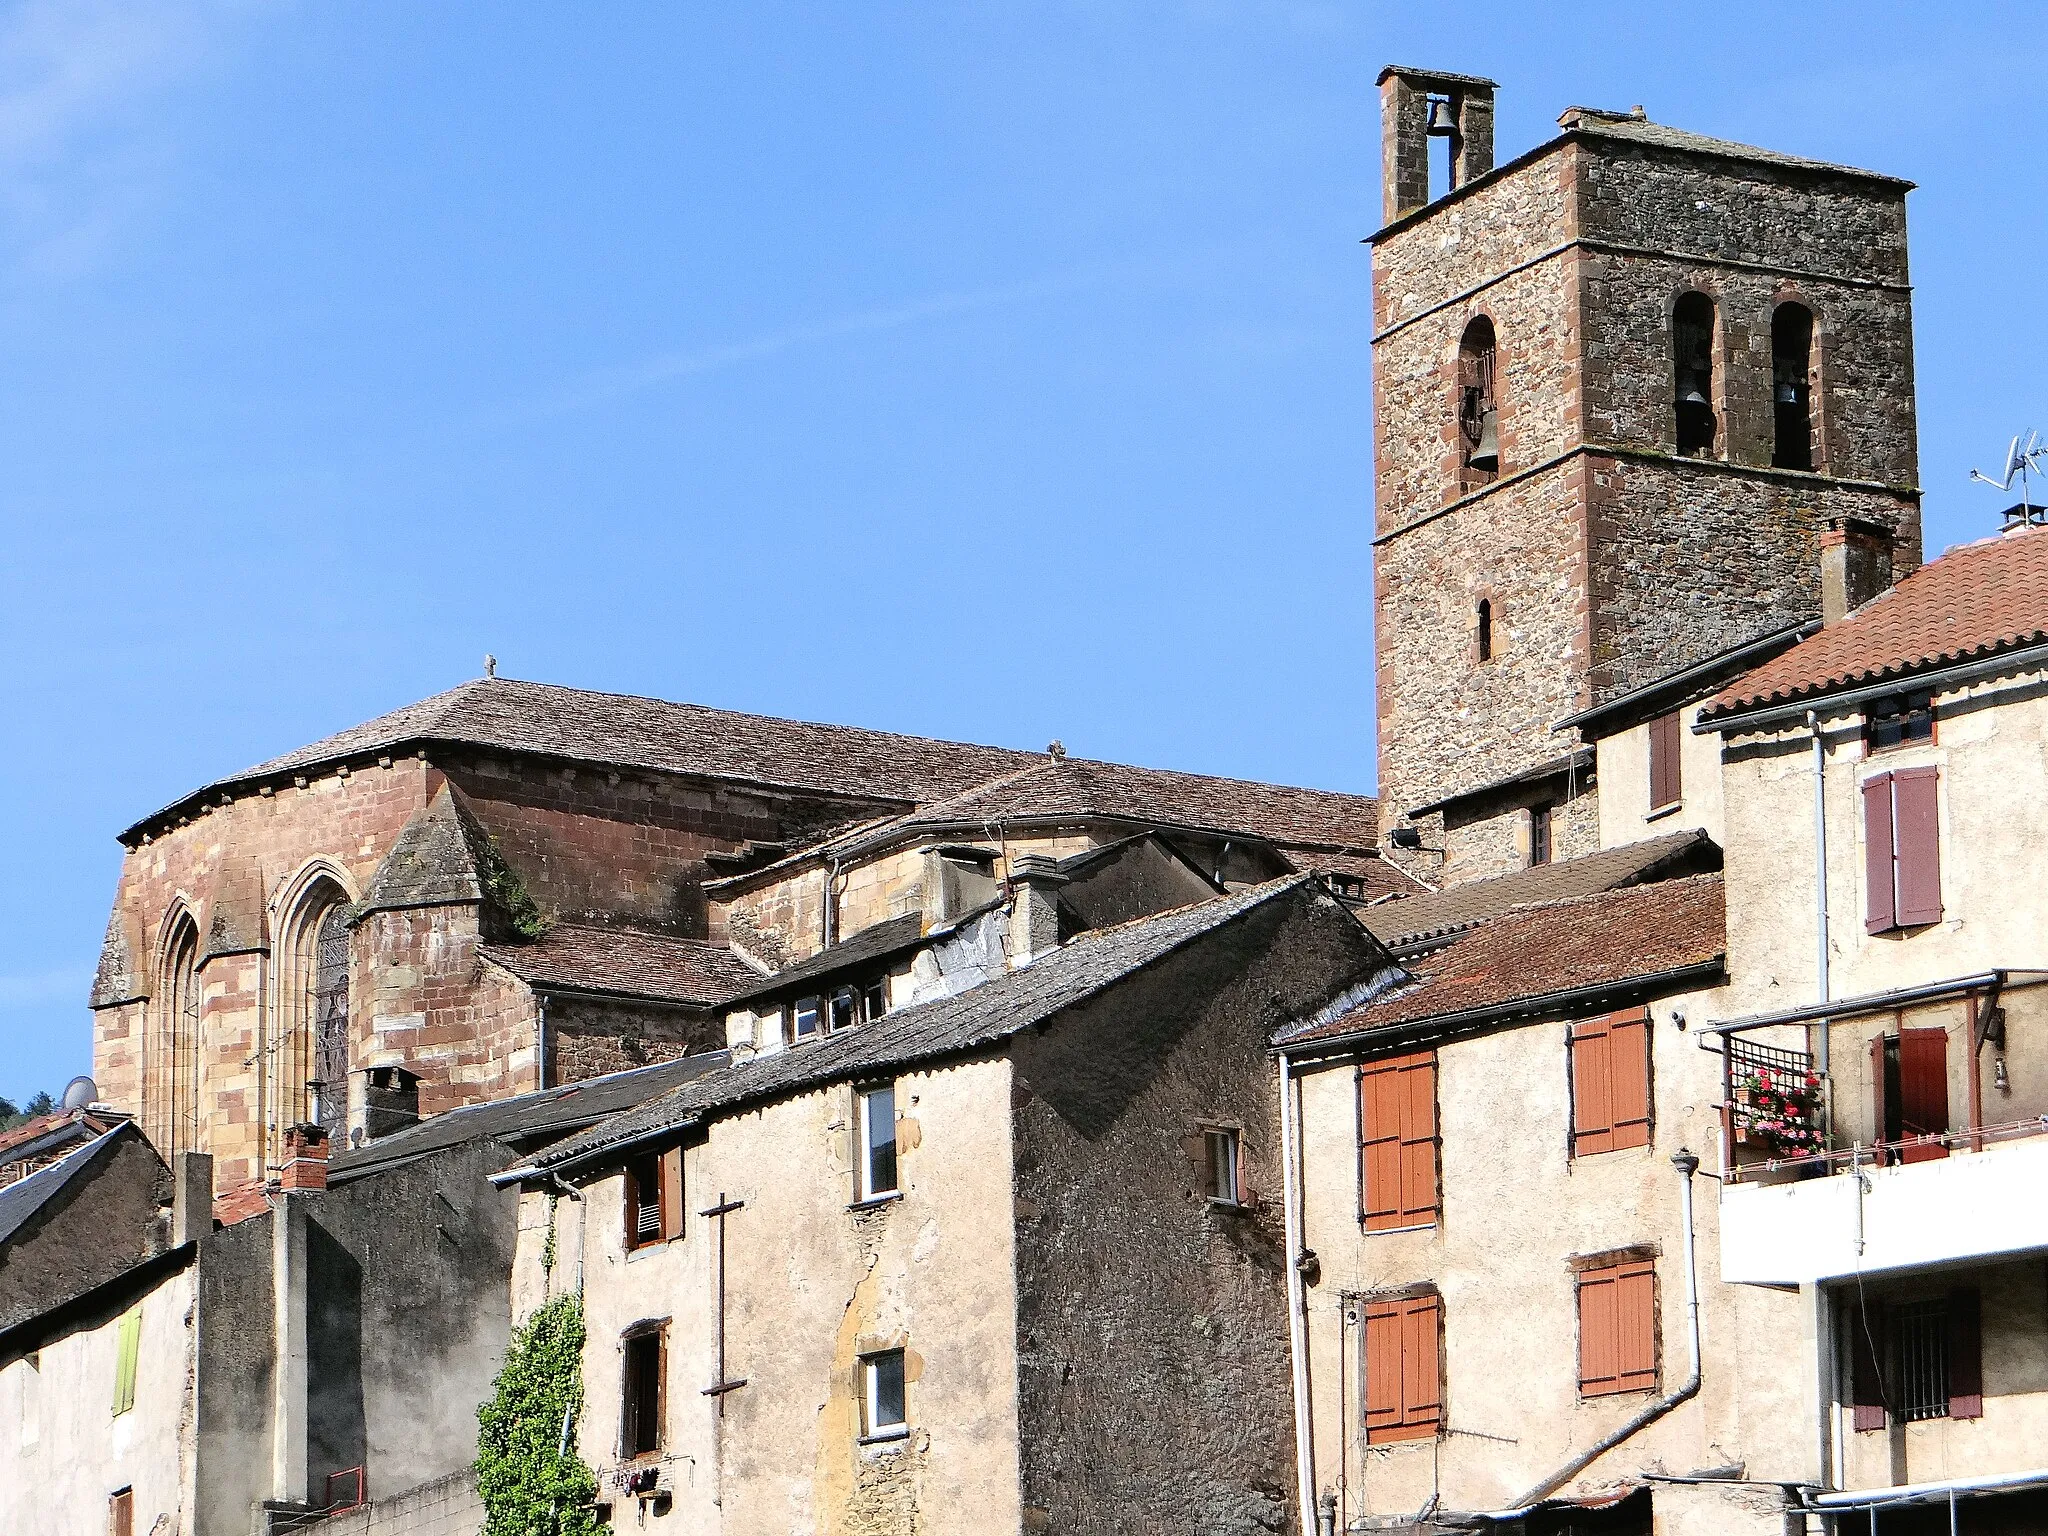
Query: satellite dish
x=81, y=1092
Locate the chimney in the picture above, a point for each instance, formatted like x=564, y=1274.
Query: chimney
x=305, y=1159
x=1035, y=883
x=1855, y=565
x=191, y=1197
x=1417, y=105
x=391, y=1101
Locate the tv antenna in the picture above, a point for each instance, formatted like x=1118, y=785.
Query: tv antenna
x=2023, y=463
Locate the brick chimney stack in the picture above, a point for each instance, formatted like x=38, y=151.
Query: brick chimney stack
x=305, y=1159
x=1855, y=565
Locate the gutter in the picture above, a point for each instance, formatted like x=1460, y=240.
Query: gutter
x=1914, y=1493
x=1498, y=1013
x=1681, y=681
x=1758, y=717
x=1879, y=1002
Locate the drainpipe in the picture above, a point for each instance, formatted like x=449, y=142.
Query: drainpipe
x=540, y=1041
x=1297, y=1297
x=1687, y=1165
x=1820, y=888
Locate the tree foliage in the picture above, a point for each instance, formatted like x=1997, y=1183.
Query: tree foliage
x=529, y=1485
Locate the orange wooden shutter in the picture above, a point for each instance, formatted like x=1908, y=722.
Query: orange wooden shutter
x=672, y=1194
x=1878, y=877
x=1403, y=1368
x=1617, y=1329
x=1628, y=1076
x=1592, y=1087
x=1916, y=835
x=1397, y=1105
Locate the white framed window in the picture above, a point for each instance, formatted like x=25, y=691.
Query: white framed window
x=845, y=1009
x=878, y=1142
x=1220, y=1180
x=875, y=999
x=804, y=1019
x=883, y=1412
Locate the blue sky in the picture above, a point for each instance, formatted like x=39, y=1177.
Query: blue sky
x=992, y=371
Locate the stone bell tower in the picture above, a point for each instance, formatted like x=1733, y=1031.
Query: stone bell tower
x=1623, y=385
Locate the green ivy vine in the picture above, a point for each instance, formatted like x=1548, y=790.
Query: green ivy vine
x=507, y=893
x=529, y=1485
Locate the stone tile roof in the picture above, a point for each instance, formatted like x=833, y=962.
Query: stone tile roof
x=21, y=1200
x=1409, y=921
x=1977, y=600
x=981, y=1017
x=1593, y=122
x=620, y=730
x=528, y=1117
x=625, y=962
x=1534, y=954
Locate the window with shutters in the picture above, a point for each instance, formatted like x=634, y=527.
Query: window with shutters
x=644, y=1407
x=1610, y=1057
x=1403, y=1372
x=128, y=1349
x=1916, y=1359
x=654, y=1198
x=1666, y=785
x=1902, y=849
x=1909, y=1092
x=1617, y=1328
x=1398, y=1142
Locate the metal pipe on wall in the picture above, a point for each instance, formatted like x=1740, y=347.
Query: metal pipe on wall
x=1297, y=1300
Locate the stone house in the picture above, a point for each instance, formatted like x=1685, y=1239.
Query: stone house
x=1007, y=1259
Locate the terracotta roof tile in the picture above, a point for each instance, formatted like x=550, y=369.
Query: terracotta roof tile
x=1976, y=600
x=627, y=963
x=1532, y=953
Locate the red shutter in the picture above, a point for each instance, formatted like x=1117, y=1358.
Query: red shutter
x=1866, y=1374
x=1880, y=1107
x=1878, y=878
x=1923, y=1091
x=1917, y=838
x=1965, y=1356
x=1665, y=783
x=1617, y=1329
x=1403, y=1368
x=1628, y=1076
x=1592, y=1087
x=1397, y=1102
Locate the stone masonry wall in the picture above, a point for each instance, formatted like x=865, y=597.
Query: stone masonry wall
x=434, y=1008
x=447, y=1507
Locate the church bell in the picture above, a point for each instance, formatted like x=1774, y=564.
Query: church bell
x=1486, y=452
x=1441, y=124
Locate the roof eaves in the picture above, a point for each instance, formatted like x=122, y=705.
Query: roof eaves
x=1850, y=689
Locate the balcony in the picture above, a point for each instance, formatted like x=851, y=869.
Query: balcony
x=1864, y=1219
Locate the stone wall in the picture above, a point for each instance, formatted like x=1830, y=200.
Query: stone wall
x=588, y=1037
x=448, y=1506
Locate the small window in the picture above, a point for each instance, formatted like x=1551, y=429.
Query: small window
x=1611, y=1082
x=640, y=1425
x=1898, y=721
x=121, y=1513
x=845, y=1008
x=1478, y=407
x=883, y=1414
x=1617, y=1329
x=1923, y=1360
x=1350, y=887
x=1692, y=358
x=1791, y=386
x=874, y=999
x=1484, y=629
x=1539, y=835
x=804, y=1017
x=1220, y=1181
x=1667, y=786
x=878, y=1142
x=1403, y=1368
x=654, y=1198
x=128, y=1347
x=1933, y=1348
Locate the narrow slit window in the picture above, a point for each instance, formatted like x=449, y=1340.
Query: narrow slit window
x=878, y=1142
x=1539, y=835
x=1485, y=629
x=1791, y=387
x=884, y=1411
x=1692, y=358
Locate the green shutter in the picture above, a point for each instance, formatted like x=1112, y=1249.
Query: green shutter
x=124, y=1368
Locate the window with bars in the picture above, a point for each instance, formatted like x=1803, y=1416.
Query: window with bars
x=1916, y=1359
x=1922, y=1356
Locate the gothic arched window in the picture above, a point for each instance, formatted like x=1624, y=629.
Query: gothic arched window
x=1791, y=386
x=1478, y=406
x=311, y=1047
x=172, y=1062
x=1692, y=374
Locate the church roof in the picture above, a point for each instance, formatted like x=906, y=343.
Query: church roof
x=626, y=962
